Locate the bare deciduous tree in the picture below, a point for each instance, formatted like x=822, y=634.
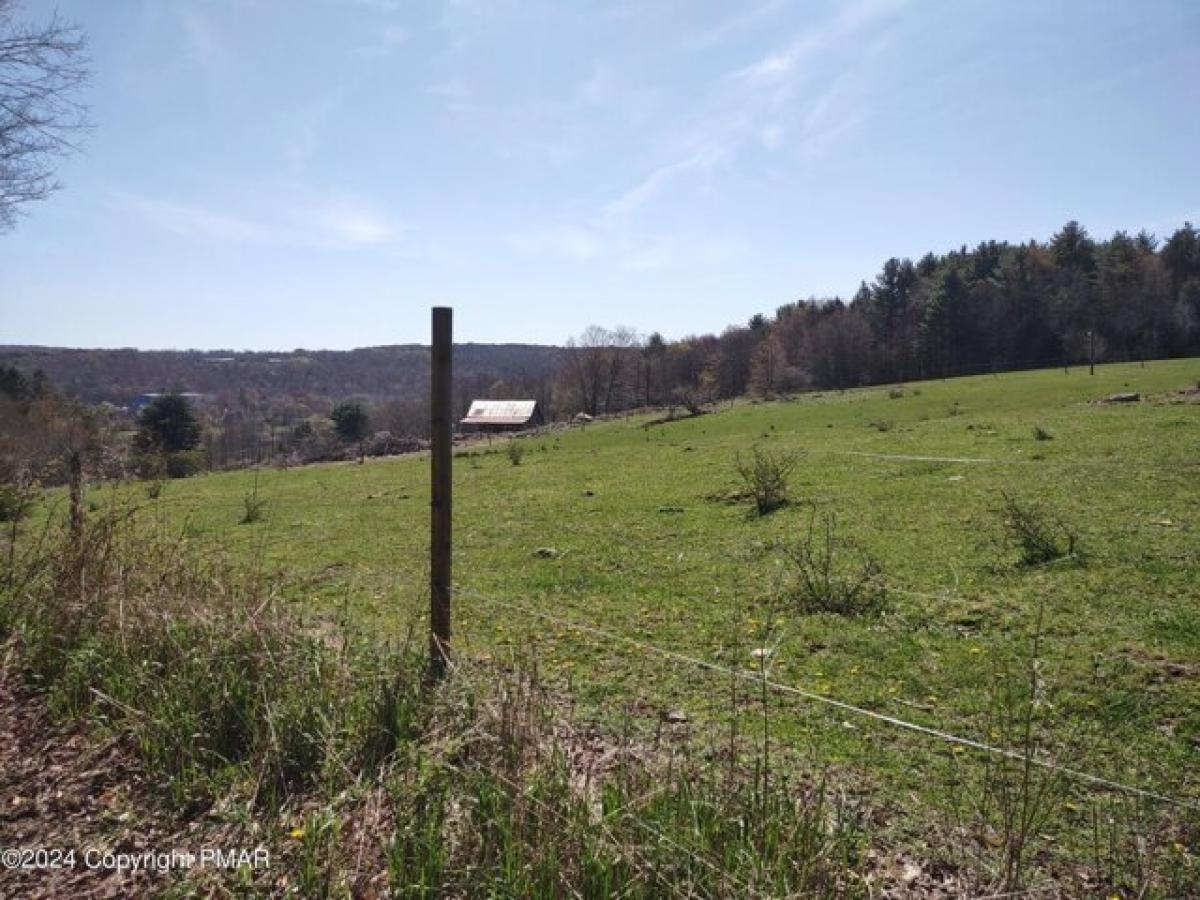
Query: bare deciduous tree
x=41, y=68
x=596, y=363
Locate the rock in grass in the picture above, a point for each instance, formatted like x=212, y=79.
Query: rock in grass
x=546, y=553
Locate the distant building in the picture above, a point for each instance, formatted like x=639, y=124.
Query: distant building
x=141, y=401
x=502, y=415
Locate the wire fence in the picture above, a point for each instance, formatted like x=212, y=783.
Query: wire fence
x=760, y=678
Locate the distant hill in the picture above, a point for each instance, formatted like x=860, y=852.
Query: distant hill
x=373, y=373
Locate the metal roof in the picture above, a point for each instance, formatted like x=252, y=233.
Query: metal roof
x=500, y=412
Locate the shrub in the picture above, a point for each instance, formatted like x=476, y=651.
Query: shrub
x=515, y=452
x=895, y=393
x=831, y=575
x=183, y=464
x=1041, y=434
x=1040, y=535
x=16, y=499
x=881, y=424
x=765, y=476
x=254, y=505
x=352, y=425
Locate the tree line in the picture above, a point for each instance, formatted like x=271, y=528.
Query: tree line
x=996, y=307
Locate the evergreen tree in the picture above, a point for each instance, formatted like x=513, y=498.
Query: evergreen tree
x=352, y=424
x=167, y=425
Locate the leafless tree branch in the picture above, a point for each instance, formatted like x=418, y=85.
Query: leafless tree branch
x=41, y=70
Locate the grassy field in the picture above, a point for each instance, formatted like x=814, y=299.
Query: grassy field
x=628, y=526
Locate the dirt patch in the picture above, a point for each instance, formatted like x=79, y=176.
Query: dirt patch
x=673, y=417
x=65, y=791
x=1188, y=395
x=65, y=787
x=1119, y=398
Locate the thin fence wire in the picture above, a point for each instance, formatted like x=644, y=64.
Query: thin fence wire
x=893, y=721
x=627, y=815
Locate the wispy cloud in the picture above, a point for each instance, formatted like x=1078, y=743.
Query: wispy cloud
x=386, y=42
x=340, y=223
x=381, y=6
x=733, y=26
x=569, y=241
x=204, y=43
x=302, y=129
x=454, y=94
x=762, y=104
x=642, y=192
x=781, y=64
x=393, y=35
x=631, y=250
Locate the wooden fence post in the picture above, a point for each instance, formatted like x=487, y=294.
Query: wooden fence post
x=441, y=458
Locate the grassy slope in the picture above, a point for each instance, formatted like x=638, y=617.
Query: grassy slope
x=646, y=554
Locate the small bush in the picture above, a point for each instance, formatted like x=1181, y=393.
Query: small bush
x=895, y=393
x=183, y=464
x=765, y=475
x=881, y=424
x=254, y=505
x=1039, y=535
x=833, y=576
x=515, y=452
x=1041, y=434
x=16, y=499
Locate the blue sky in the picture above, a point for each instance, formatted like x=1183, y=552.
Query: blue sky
x=317, y=173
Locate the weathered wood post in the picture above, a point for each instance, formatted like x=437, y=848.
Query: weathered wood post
x=441, y=459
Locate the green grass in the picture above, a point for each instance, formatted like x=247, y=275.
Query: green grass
x=643, y=550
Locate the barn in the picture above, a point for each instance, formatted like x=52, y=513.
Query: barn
x=502, y=415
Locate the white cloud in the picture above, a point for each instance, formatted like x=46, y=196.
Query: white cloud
x=387, y=40
x=205, y=44
x=455, y=95
x=632, y=250
x=380, y=6
x=780, y=65
x=354, y=226
x=757, y=106
x=637, y=196
x=341, y=223
x=302, y=129
x=579, y=244
x=772, y=135
x=733, y=26
x=195, y=221
x=394, y=35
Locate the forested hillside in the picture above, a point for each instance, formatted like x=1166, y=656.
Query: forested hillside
x=307, y=377
x=995, y=307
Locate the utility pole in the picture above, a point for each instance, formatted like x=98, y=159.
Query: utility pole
x=1091, y=351
x=441, y=459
